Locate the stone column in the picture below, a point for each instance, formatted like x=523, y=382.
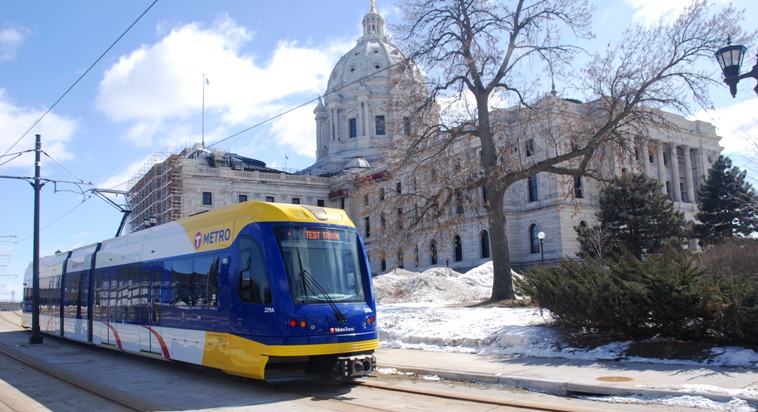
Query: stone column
x=661, y=166
x=688, y=175
x=646, y=159
x=675, y=181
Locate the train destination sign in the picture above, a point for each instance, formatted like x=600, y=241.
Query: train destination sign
x=317, y=234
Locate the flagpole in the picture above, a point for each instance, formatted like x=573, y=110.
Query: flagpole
x=203, y=121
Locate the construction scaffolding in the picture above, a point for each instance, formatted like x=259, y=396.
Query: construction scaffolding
x=157, y=191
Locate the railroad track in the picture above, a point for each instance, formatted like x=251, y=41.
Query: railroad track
x=55, y=377
x=365, y=394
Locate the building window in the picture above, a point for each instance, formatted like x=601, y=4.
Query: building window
x=400, y=217
x=433, y=251
x=295, y=200
x=669, y=191
x=578, y=188
x=365, y=200
x=399, y=187
x=242, y=198
x=529, y=147
x=367, y=225
x=320, y=202
x=380, y=130
x=484, y=194
x=381, y=193
x=384, y=265
x=458, y=248
x=382, y=222
x=533, y=193
x=407, y=126
x=207, y=199
x=270, y=199
x=415, y=256
x=400, y=263
x=484, y=239
x=534, y=239
x=665, y=159
x=353, y=124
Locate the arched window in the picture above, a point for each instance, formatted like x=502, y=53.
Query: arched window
x=484, y=240
x=458, y=248
x=433, y=251
x=534, y=240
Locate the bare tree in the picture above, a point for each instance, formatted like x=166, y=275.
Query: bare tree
x=487, y=51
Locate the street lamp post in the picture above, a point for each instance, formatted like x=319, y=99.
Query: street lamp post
x=151, y=221
x=541, y=237
x=730, y=59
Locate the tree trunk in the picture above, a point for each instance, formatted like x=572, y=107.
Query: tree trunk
x=502, y=281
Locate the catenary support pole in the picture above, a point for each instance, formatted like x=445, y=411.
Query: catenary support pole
x=36, y=337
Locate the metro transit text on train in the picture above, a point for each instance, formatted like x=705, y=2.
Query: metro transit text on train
x=222, y=235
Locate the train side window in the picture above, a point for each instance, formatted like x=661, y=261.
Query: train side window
x=253, y=277
x=205, y=280
x=181, y=281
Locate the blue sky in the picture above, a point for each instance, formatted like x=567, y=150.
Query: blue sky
x=146, y=95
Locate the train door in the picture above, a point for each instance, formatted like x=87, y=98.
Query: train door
x=107, y=287
x=150, y=309
x=254, y=314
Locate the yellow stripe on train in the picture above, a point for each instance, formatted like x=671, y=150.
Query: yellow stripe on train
x=239, y=356
x=218, y=228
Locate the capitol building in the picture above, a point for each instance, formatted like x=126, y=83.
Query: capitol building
x=362, y=119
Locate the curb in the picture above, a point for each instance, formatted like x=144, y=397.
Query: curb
x=566, y=389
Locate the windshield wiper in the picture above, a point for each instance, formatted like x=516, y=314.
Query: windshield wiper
x=309, y=282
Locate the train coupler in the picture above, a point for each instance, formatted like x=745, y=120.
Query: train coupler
x=356, y=365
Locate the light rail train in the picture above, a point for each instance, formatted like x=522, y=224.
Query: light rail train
x=260, y=290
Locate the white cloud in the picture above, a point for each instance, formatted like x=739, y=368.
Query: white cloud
x=158, y=88
x=737, y=126
x=11, y=39
x=56, y=132
x=297, y=130
x=651, y=11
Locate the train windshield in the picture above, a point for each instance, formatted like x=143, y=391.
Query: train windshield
x=322, y=264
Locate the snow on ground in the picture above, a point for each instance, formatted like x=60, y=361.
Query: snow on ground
x=432, y=311
x=428, y=311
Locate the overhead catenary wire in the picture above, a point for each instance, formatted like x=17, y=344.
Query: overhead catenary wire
x=80, y=77
x=272, y=118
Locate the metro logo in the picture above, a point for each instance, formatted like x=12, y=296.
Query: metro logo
x=223, y=235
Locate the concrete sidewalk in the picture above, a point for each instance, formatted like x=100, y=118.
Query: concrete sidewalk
x=576, y=377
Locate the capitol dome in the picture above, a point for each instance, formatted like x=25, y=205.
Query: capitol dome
x=370, y=60
x=368, y=103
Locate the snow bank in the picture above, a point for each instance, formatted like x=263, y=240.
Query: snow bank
x=438, y=285
x=426, y=311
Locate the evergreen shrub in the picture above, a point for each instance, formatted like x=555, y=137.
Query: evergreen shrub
x=732, y=268
x=625, y=297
